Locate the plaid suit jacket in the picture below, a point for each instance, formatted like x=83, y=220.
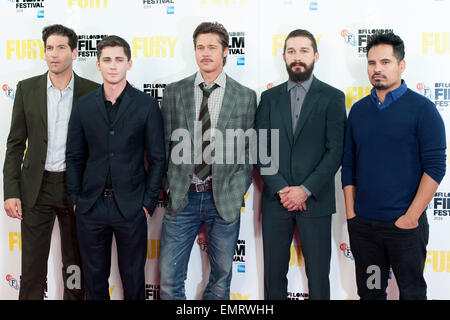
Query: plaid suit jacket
x=231, y=179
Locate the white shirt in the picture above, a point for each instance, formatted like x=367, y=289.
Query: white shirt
x=59, y=107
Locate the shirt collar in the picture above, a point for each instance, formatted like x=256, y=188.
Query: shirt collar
x=120, y=97
x=69, y=86
x=305, y=84
x=391, y=96
x=220, y=80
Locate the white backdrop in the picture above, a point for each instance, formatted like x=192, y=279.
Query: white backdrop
x=160, y=36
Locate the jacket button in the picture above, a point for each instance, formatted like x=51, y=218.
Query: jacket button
x=111, y=132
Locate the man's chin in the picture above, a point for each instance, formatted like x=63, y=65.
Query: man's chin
x=299, y=76
x=379, y=86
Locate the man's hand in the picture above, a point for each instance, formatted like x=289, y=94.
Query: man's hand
x=74, y=208
x=293, y=198
x=13, y=208
x=406, y=222
x=145, y=210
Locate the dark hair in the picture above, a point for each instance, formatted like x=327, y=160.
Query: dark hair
x=301, y=33
x=113, y=41
x=61, y=30
x=216, y=28
x=388, y=38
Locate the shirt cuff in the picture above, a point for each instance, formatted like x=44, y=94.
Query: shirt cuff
x=308, y=193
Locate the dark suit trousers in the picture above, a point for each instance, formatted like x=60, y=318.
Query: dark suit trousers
x=315, y=237
x=36, y=228
x=96, y=228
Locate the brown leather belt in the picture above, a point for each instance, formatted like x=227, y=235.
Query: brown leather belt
x=201, y=187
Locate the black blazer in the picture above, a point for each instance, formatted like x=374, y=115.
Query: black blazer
x=93, y=146
x=313, y=153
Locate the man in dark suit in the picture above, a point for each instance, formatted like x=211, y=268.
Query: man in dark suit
x=310, y=117
x=108, y=185
x=34, y=185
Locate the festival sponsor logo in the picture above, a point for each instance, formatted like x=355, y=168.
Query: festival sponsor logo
x=236, y=47
x=313, y=5
x=239, y=256
x=152, y=292
x=167, y=5
x=297, y=295
x=361, y=37
x=37, y=6
x=87, y=45
x=156, y=90
x=440, y=206
x=13, y=282
x=345, y=248
x=438, y=92
x=9, y=92
x=202, y=242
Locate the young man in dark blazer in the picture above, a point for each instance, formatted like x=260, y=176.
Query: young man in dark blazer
x=34, y=185
x=109, y=188
x=310, y=116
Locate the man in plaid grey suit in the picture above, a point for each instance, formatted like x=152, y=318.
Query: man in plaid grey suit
x=209, y=189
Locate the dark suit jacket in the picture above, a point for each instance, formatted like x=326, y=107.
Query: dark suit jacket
x=312, y=154
x=29, y=122
x=93, y=146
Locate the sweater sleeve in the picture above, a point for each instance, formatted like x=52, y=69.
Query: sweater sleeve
x=348, y=160
x=432, y=142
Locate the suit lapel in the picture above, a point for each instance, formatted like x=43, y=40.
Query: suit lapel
x=188, y=103
x=308, y=105
x=100, y=104
x=228, y=104
x=41, y=99
x=77, y=88
x=125, y=106
x=284, y=104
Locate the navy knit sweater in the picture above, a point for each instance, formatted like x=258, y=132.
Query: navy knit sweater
x=387, y=151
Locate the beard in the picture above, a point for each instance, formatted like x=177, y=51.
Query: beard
x=299, y=76
x=378, y=84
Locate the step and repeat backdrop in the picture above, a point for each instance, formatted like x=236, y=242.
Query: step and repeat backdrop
x=160, y=36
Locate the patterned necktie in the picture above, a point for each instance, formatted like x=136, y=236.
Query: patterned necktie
x=203, y=170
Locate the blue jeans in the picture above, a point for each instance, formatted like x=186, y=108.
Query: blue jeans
x=177, y=238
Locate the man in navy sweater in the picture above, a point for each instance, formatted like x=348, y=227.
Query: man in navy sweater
x=394, y=160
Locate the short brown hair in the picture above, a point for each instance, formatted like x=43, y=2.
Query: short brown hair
x=216, y=28
x=301, y=33
x=114, y=41
x=60, y=30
